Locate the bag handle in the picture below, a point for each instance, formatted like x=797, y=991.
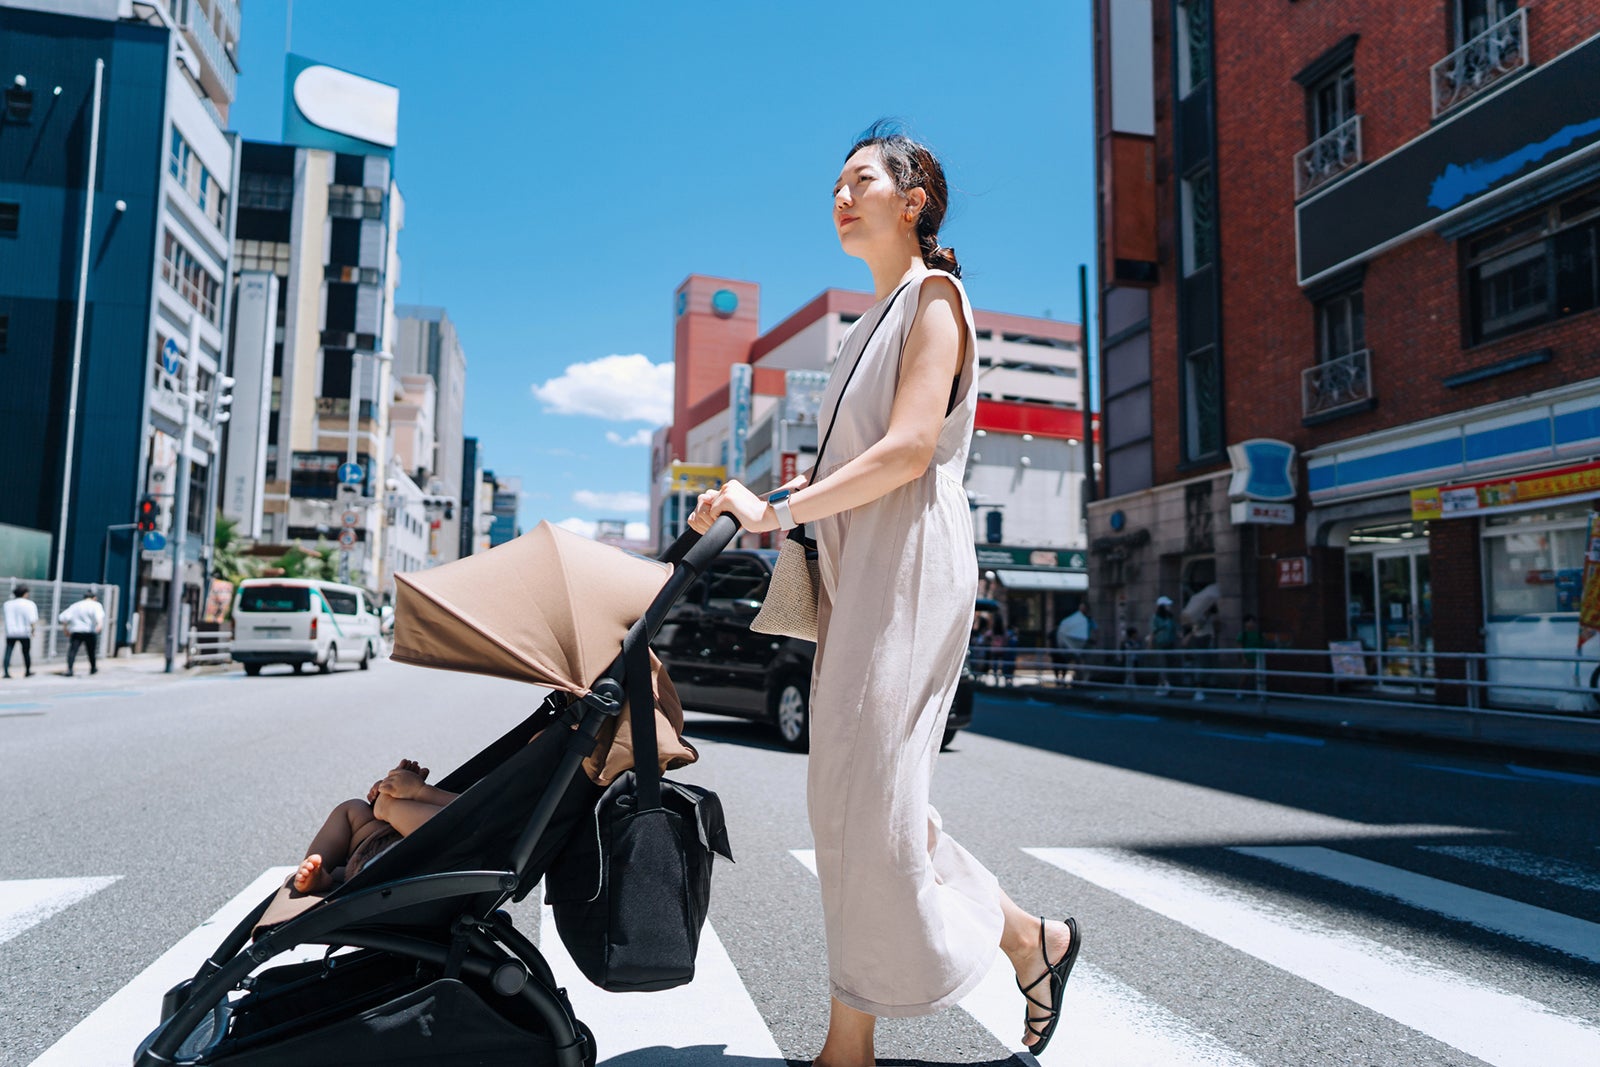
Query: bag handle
x=859, y=356
x=642, y=719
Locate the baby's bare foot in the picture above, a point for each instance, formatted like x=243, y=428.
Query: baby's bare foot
x=310, y=877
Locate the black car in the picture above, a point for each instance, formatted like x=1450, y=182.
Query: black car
x=720, y=665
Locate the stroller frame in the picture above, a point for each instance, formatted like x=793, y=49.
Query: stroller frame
x=481, y=941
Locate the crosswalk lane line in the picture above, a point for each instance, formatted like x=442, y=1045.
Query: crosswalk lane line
x=705, y=1023
x=1525, y=922
x=1530, y=864
x=27, y=902
x=1497, y=1027
x=1105, y=1022
x=111, y=1033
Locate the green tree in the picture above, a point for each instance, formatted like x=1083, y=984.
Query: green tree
x=228, y=560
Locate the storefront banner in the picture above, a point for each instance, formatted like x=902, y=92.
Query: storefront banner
x=1478, y=498
x=1256, y=513
x=1009, y=556
x=696, y=477
x=1263, y=469
x=739, y=384
x=1589, y=605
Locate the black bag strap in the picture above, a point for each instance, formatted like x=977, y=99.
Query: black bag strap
x=642, y=719
x=817, y=467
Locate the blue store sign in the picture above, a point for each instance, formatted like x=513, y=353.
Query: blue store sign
x=1263, y=469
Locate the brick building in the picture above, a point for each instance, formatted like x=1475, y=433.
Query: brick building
x=1364, y=239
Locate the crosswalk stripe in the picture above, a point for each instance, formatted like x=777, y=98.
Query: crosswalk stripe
x=27, y=902
x=112, y=1032
x=1110, y=1023
x=705, y=1023
x=1497, y=1027
x=1515, y=860
x=1525, y=922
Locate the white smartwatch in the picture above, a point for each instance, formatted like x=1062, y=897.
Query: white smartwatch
x=780, y=507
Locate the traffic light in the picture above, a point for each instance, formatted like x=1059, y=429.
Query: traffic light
x=149, y=514
x=224, y=400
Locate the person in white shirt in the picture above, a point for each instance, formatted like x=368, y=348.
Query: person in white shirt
x=22, y=615
x=1074, y=635
x=83, y=623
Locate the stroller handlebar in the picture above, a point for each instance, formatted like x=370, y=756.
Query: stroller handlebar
x=696, y=550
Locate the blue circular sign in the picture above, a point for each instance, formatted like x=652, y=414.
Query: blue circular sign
x=154, y=541
x=1118, y=521
x=170, y=356
x=724, y=302
x=682, y=303
x=349, y=474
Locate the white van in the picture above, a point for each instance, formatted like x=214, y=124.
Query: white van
x=299, y=621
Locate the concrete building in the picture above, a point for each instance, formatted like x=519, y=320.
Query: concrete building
x=504, y=500
x=746, y=408
x=472, y=521
x=154, y=264
x=426, y=343
x=1349, y=282
x=322, y=213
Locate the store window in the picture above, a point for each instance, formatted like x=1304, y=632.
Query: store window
x=1535, y=269
x=1534, y=563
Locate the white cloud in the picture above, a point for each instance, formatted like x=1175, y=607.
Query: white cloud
x=618, y=388
x=636, y=531
x=623, y=501
x=639, y=438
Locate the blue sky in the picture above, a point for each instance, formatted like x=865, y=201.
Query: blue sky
x=565, y=166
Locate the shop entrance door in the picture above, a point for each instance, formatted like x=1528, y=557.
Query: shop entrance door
x=1390, y=597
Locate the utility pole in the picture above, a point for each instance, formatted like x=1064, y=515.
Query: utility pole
x=77, y=349
x=180, y=506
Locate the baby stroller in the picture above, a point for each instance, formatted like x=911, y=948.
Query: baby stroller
x=436, y=972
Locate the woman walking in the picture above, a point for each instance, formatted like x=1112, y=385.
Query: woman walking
x=912, y=919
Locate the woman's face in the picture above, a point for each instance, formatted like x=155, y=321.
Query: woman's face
x=868, y=211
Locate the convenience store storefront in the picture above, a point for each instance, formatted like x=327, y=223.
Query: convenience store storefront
x=1038, y=587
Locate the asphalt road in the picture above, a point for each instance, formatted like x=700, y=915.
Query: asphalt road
x=1394, y=906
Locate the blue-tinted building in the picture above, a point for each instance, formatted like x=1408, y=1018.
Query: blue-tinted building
x=157, y=267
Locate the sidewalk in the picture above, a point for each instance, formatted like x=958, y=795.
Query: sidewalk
x=1568, y=739
x=50, y=677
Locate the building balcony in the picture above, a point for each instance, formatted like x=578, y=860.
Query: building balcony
x=1336, y=385
x=1486, y=59
x=1328, y=156
x=219, y=73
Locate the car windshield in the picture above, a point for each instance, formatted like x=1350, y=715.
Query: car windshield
x=275, y=598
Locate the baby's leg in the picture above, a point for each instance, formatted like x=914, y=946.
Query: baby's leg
x=346, y=826
x=404, y=815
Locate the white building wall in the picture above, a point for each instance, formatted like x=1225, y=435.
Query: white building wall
x=1043, y=499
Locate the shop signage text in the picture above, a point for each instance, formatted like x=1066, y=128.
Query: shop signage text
x=786, y=465
x=1259, y=513
x=1294, y=572
x=1474, y=498
x=695, y=477
x=1005, y=556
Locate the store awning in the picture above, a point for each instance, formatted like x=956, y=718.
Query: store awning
x=1045, y=581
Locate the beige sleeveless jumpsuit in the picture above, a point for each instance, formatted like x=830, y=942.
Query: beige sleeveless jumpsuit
x=913, y=920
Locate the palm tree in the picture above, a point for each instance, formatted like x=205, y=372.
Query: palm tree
x=228, y=561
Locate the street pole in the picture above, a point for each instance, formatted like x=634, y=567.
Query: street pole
x=350, y=453
x=77, y=348
x=1091, y=486
x=180, y=507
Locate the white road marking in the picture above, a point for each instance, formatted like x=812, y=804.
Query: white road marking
x=1296, y=739
x=1553, y=776
x=112, y=1032
x=1104, y=1022
x=1525, y=922
x=1443, y=1004
x=27, y=902
x=1468, y=771
x=712, y=1017
x=1546, y=868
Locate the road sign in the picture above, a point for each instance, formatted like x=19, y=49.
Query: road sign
x=154, y=541
x=350, y=474
x=347, y=538
x=352, y=518
x=170, y=356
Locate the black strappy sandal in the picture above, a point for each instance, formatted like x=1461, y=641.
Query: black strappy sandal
x=1057, y=974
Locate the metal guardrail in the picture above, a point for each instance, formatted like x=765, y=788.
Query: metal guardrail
x=208, y=647
x=1482, y=61
x=1417, y=678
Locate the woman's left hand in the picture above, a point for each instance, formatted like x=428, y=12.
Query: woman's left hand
x=733, y=499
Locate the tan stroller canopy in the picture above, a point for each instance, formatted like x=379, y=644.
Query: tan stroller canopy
x=549, y=608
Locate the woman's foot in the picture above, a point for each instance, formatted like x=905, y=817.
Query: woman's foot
x=311, y=877
x=1028, y=960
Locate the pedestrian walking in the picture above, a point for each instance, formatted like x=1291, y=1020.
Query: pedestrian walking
x=22, y=615
x=1163, y=641
x=83, y=623
x=1008, y=643
x=1131, y=646
x=1074, y=635
x=1252, y=641
x=912, y=919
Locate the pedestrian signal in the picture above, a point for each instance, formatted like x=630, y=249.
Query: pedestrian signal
x=149, y=514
